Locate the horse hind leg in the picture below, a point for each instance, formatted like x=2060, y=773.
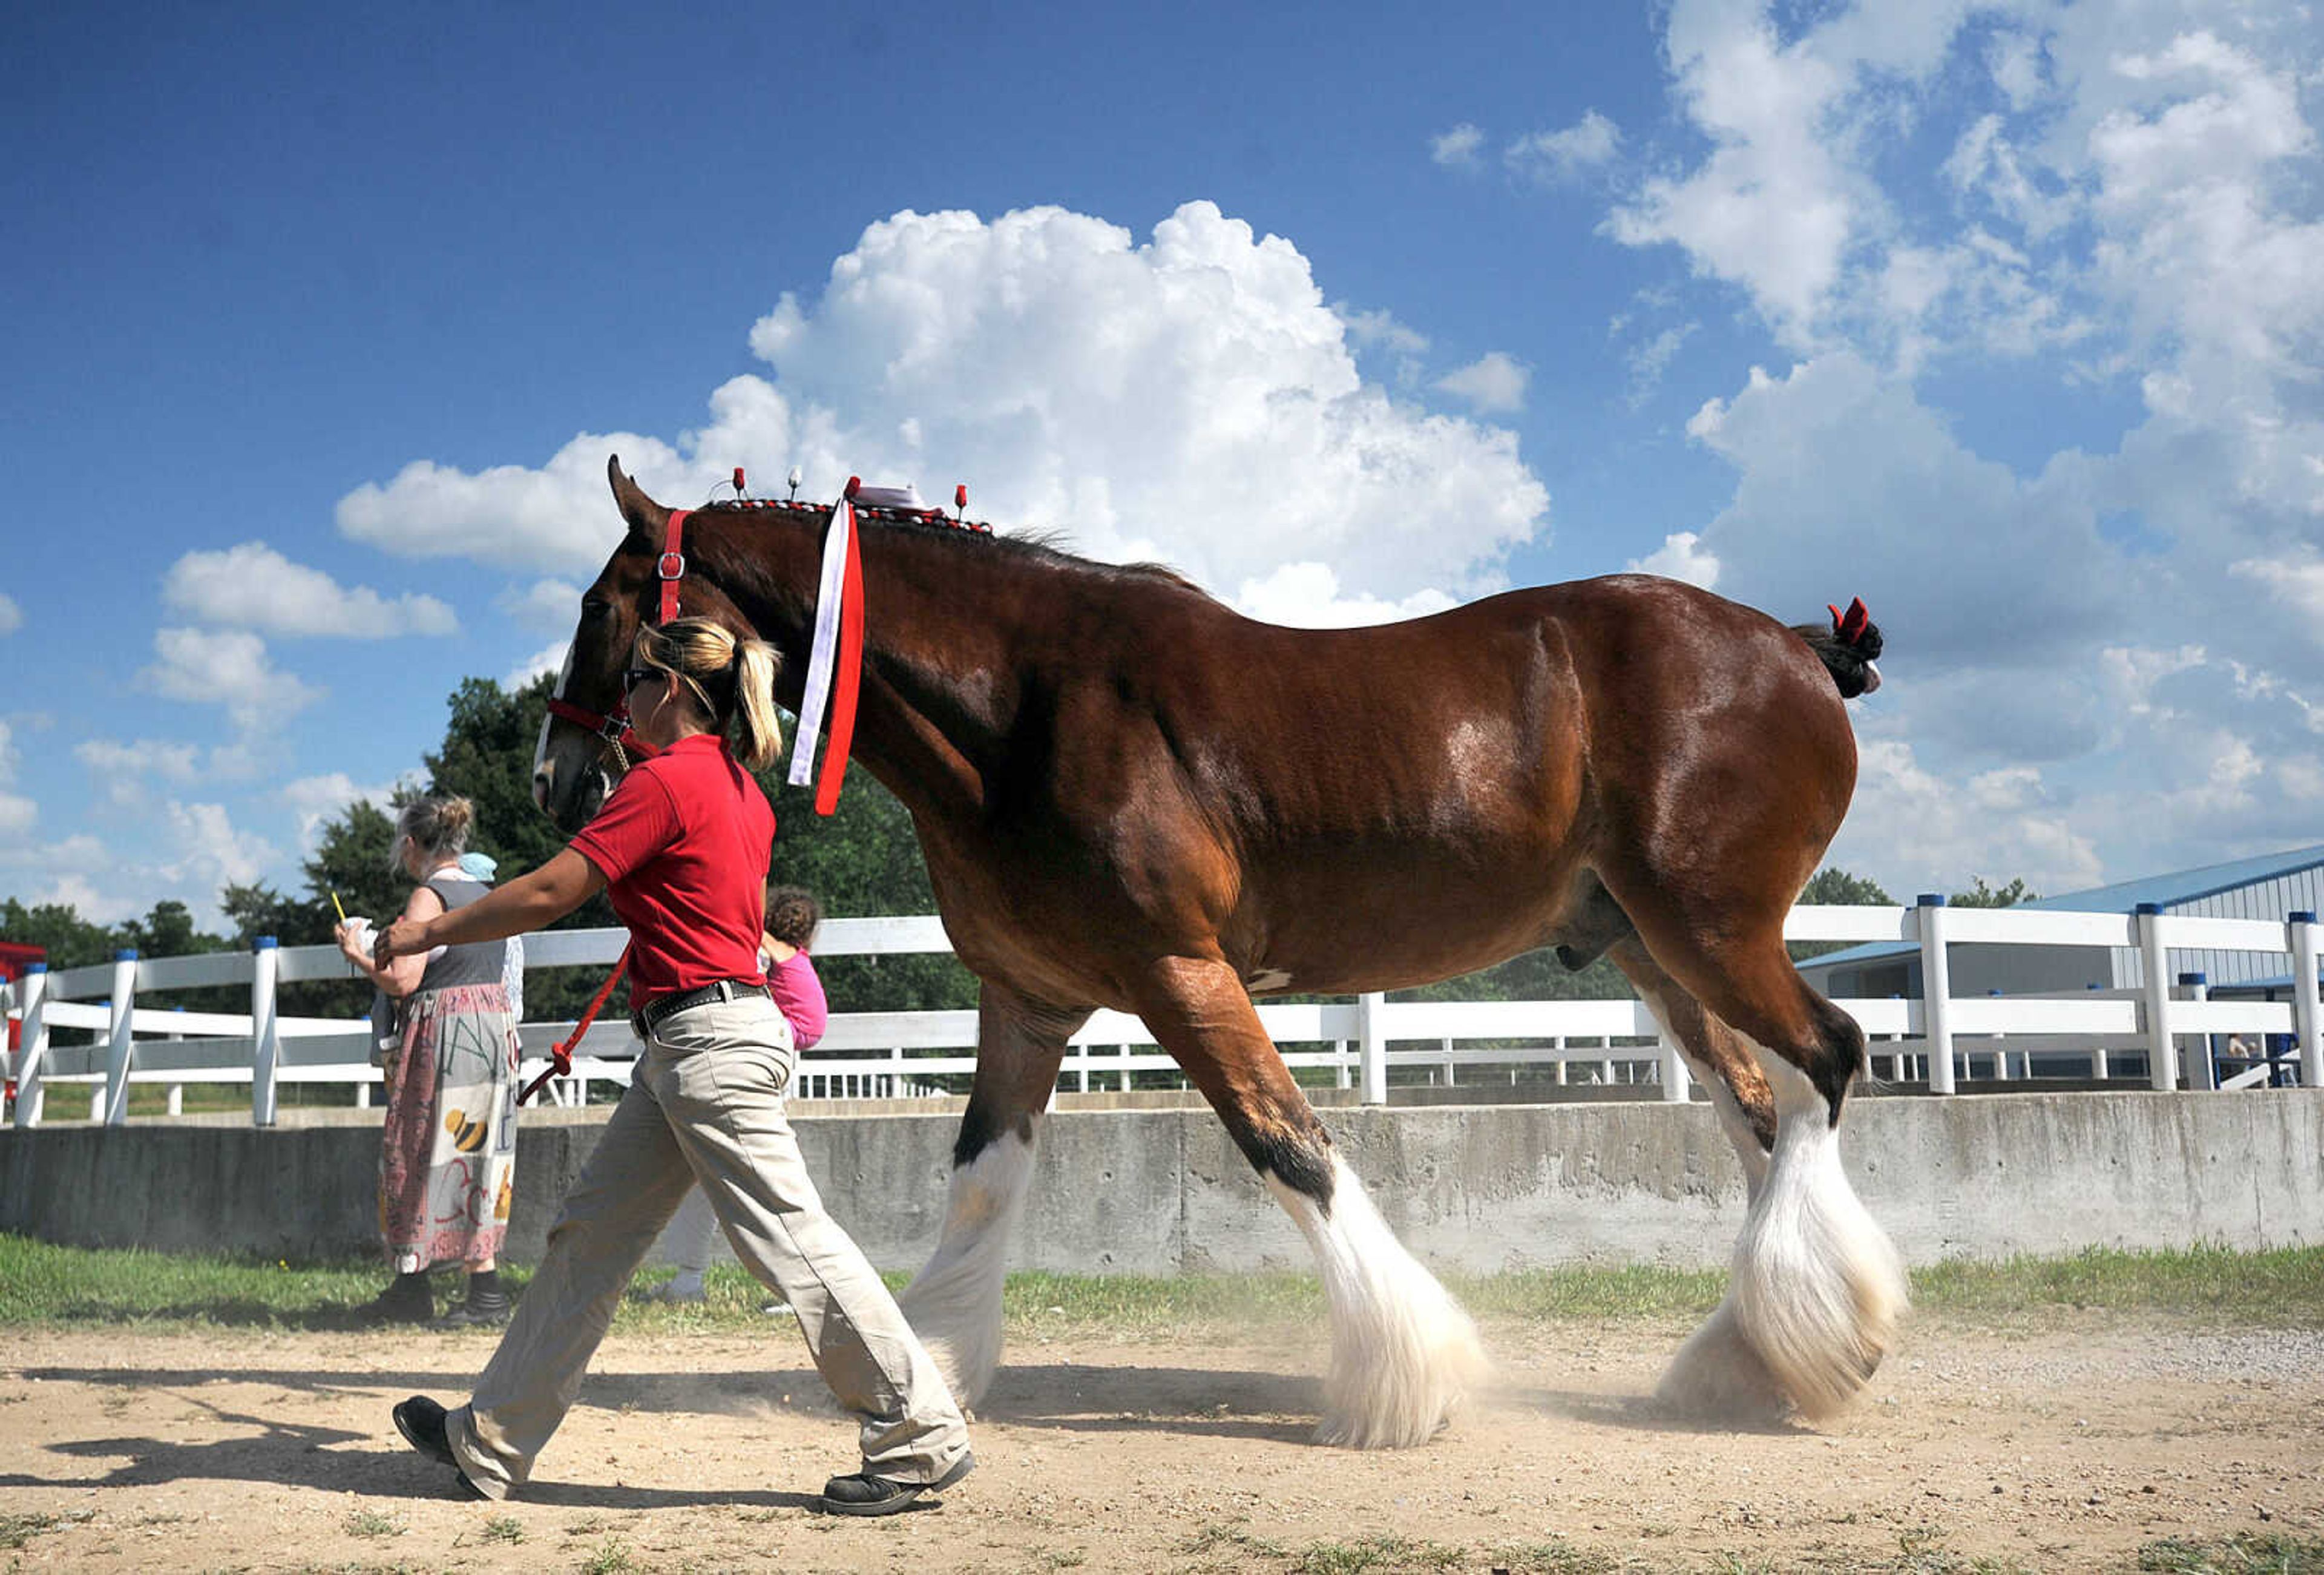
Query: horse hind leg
x=1817, y=1289
x=1818, y=1286
x=1403, y=1352
x=953, y=1302
x=1716, y=1374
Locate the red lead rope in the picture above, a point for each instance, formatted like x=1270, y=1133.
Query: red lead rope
x=560, y=1059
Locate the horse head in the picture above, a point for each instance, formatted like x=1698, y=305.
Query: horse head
x=578, y=760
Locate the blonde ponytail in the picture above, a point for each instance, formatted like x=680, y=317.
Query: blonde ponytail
x=761, y=743
x=732, y=678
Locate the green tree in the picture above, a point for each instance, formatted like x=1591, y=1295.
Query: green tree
x=1980, y=894
x=261, y=910
x=69, y=940
x=1835, y=887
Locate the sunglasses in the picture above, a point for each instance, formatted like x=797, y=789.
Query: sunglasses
x=633, y=676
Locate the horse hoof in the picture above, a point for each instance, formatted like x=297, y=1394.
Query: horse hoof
x=1718, y=1377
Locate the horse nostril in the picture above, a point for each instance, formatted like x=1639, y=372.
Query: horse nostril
x=540, y=789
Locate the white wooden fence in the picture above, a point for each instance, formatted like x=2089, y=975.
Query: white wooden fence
x=1933, y=1038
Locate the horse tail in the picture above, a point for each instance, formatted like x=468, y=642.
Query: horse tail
x=1847, y=648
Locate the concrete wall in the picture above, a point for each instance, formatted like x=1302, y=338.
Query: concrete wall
x=1159, y=1191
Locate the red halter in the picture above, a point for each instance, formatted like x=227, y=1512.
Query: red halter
x=613, y=726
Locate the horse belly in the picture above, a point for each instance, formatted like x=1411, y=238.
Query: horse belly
x=1385, y=919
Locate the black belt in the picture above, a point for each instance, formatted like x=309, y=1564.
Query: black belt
x=647, y=1020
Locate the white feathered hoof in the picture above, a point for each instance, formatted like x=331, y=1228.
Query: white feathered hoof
x=1397, y=1382
x=960, y=1325
x=1404, y=1354
x=1718, y=1377
x=1817, y=1288
x=954, y=1303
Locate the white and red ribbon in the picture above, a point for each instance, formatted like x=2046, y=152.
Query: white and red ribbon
x=836, y=658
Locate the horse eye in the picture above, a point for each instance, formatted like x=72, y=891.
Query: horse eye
x=593, y=608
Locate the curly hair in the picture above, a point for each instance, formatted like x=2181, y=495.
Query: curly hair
x=793, y=915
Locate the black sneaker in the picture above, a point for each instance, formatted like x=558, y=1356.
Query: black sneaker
x=420, y=1421
x=481, y=1310
x=862, y=1493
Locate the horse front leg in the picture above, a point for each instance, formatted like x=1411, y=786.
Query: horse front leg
x=1403, y=1352
x=953, y=1302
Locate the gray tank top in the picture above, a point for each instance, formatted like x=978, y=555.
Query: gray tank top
x=479, y=963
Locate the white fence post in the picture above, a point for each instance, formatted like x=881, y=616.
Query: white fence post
x=2161, y=1049
x=1371, y=1048
x=120, y=1046
x=1936, y=991
x=33, y=1042
x=1675, y=1080
x=265, y=1032
x=2201, y=1072
x=2304, y=1014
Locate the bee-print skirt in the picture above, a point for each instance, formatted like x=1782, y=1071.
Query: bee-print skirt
x=447, y=1156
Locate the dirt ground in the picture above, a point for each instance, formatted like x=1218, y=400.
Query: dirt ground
x=2068, y=1449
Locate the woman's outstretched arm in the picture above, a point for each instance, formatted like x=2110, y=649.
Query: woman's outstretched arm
x=532, y=901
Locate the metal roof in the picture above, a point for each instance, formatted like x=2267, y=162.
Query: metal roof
x=2166, y=891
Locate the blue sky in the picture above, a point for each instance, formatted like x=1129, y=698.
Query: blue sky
x=2001, y=316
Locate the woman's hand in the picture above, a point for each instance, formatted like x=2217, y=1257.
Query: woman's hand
x=354, y=941
x=405, y=938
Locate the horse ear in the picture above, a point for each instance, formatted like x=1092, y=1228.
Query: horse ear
x=643, y=513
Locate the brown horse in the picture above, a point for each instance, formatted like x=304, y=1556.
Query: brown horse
x=1130, y=796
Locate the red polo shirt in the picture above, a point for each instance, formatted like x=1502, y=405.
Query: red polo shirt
x=683, y=844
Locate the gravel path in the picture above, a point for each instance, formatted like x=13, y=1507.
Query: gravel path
x=2068, y=1449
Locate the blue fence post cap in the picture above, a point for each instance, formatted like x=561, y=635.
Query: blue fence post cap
x=2301, y=915
x=2148, y=907
x=2198, y=977
x=127, y=954
x=1929, y=899
x=261, y=943
x=36, y=968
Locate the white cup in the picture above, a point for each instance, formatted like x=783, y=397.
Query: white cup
x=359, y=932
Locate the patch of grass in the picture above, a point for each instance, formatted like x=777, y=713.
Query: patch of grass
x=1374, y=1552
x=46, y=1283
x=2284, y=1288
x=1555, y=1557
x=2240, y=1553
x=372, y=1523
x=1217, y=1539
x=17, y=1529
x=503, y=1528
x=613, y=1556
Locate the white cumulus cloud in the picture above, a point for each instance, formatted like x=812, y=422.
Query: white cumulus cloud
x=12, y=617
x=1076, y=380
x=1457, y=147
x=1681, y=556
x=228, y=668
x=1494, y=384
x=253, y=587
x=1587, y=144
x=1307, y=595
x=550, y=606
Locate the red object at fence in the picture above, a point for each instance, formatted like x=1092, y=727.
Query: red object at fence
x=14, y=956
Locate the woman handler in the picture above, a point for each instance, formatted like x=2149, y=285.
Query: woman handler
x=682, y=847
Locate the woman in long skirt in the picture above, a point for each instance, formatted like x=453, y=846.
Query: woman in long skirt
x=447, y=1152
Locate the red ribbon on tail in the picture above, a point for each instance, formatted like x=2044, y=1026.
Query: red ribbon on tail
x=1850, y=626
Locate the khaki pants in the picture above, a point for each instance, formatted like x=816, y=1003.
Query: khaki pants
x=707, y=1104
